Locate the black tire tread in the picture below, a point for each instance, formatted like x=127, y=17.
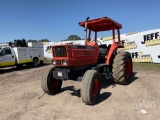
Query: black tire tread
x=33, y=64
x=119, y=74
x=44, y=80
x=86, y=86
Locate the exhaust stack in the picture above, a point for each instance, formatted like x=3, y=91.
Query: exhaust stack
x=85, y=31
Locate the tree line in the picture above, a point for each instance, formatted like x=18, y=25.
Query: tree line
x=70, y=38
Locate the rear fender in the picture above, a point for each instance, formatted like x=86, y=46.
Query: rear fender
x=112, y=51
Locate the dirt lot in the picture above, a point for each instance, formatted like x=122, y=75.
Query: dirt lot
x=21, y=97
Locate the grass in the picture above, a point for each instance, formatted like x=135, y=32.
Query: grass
x=147, y=66
x=143, y=66
x=47, y=60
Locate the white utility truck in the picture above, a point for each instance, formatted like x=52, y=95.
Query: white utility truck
x=18, y=55
x=3, y=45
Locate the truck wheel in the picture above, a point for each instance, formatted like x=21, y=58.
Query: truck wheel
x=49, y=84
x=35, y=62
x=90, y=87
x=122, y=68
x=41, y=62
x=19, y=66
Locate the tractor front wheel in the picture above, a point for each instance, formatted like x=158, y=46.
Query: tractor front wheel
x=90, y=87
x=49, y=84
x=122, y=68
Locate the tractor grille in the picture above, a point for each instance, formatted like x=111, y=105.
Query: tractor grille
x=60, y=51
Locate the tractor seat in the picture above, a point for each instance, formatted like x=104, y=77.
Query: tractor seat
x=102, y=50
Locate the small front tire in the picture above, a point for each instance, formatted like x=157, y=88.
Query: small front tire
x=49, y=84
x=90, y=87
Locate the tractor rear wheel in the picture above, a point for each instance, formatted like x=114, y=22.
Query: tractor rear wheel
x=90, y=87
x=49, y=84
x=122, y=68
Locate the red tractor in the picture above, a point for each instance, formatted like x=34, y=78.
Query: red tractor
x=89, y=62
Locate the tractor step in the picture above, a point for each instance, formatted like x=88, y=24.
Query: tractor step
x=79, y=79
x=102, y=65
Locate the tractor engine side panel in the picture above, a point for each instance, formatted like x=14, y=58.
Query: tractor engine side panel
x=75, y=55
x=84, y=55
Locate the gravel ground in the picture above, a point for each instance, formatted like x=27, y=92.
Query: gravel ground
x=22, y=98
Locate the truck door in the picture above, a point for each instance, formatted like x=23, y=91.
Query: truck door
x=7, y=57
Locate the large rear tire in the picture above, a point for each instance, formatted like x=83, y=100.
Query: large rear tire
x=122, y=68
x=49, y=84
x=90, y=87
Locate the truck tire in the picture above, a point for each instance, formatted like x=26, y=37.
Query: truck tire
x=41, y=62
x=90, y=87
x=49, y=84
x=19, y=66
x=35, y=62
x=122, y=68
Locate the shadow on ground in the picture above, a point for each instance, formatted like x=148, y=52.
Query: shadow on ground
x=105, y=83
x=77, y=92
x=14, y=68
x=133, y=78
x=102, y=97
x=110, y=82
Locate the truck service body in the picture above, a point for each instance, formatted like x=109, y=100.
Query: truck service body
x=11, y=56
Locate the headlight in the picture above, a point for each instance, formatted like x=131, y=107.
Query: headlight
x=54, y=62
x=64, y=62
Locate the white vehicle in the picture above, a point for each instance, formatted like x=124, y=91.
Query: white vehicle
x=3, y=45
x=32, y=54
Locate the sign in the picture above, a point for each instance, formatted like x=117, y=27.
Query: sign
x=143, y=46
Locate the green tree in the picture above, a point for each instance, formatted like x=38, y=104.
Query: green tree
x=32, y=40
x=73, y=37
x=20, y=39
x=44, y=40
